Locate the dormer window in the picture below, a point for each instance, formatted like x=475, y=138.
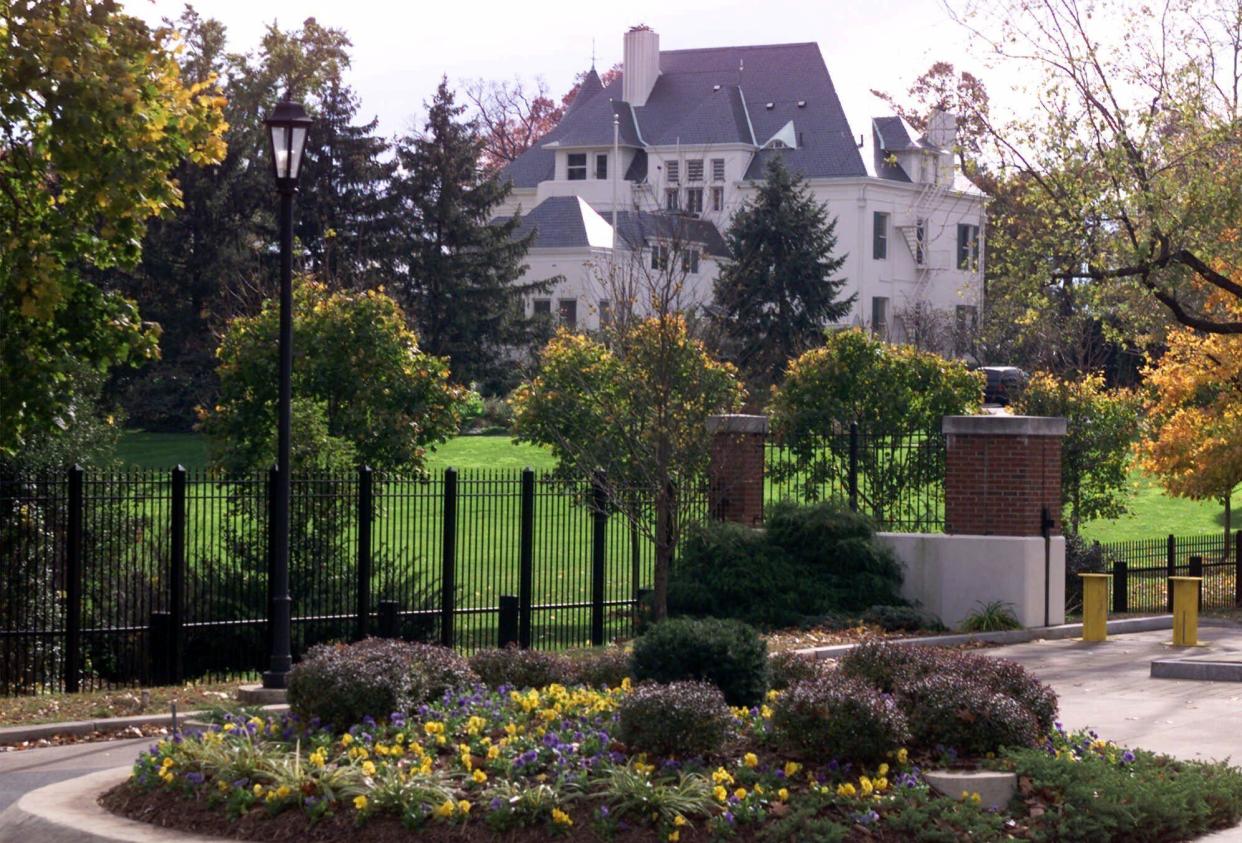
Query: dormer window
x=778, y=144
x=577, y=166
x=673, y=171
x=694, y=170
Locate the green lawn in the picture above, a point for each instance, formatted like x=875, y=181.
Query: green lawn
x=139, y=449
x=1154, y=513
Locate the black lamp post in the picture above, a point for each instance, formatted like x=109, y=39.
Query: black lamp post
x=287, y=129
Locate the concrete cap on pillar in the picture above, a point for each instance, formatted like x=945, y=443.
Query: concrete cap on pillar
x=737, y=423
x=997, y=425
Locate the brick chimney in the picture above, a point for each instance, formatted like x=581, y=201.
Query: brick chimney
x=641, y=64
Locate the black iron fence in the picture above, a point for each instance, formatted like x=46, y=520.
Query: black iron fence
x=149, y=577
x=896, y=478
x=1141, y=571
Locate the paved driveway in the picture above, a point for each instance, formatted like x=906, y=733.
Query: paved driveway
x=34, y=768
x=1107, y=687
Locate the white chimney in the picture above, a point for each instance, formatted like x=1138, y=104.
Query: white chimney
x=942, y=129
x=641, y=64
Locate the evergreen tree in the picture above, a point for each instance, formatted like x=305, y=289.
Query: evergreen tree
x=345, y=220
x=460, y=271
x=776, y=291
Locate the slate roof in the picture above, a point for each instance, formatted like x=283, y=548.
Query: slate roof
x=561, y=222
x=715, y=95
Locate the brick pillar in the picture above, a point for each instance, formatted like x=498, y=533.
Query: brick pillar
x=735, y=474
x=1001, y=471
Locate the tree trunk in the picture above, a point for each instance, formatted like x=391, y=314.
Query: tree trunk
x=1228, y=517
x=663, y=551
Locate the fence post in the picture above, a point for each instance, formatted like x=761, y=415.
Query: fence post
x=526, y=558
x=1237, y=568
x=176, y=575
x=389, y=612
x=161, y=652
x=599, y=534
x=366, y=510
x=1121, y=588
x=1170, y=564
x=73, y=581
x=508, y=628
x=1196, y=570
x=853, y=479
x=448, y=561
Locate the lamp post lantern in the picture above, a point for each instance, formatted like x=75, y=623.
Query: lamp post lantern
x=287, y=127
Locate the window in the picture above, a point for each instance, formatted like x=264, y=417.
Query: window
x=717, y=198
x=673, y=169
x=968, y=247
x=879, y=235
x=694, y=200
x=659, y=256
x=601, y=166
x=717, y=169
x=567, y=309
x=543, y=307
x=605, y=313
x=690, y=261
x=879, y=314
x=694, y=170
x=920, y=242
x=965, y=327
x=672, y=199
x=577, y=166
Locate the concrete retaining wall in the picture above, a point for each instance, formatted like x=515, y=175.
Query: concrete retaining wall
x=951, y=576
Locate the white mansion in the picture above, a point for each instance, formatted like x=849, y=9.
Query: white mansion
x=685, y=135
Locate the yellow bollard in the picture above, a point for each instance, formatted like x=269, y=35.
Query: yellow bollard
x=1185, y=611
x=1095, y=606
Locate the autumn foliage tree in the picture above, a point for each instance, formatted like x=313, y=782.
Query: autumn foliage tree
x=1194, y=432
x=94, y=116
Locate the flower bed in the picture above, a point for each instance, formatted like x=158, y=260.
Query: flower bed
x=532, y=764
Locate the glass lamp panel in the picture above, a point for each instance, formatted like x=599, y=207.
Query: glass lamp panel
x=299, y=141
x=280, y=151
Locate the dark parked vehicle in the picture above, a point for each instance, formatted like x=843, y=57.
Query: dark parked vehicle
x=1004, y=384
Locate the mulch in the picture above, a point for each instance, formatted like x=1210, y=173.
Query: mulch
x=161, y=808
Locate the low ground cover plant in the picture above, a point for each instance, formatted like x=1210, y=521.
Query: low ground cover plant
x=825, y=759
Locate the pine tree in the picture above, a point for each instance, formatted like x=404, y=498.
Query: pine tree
x=776, y=291
x=460, y=272
x=345, y=219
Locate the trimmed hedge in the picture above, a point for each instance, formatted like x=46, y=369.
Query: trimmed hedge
x=835, y=716
x=681, y=718
x=521, y=668
x=727, y=653
x=340, y=684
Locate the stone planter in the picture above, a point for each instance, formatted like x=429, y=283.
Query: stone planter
x=995, y=788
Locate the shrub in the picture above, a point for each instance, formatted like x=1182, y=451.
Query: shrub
x=601, y=667
x=964, y=712
x=340, y=684
x=887, y=666
x=995, y=616
x=838, y=716
x=521, y=668
x=899, y=618
x=1014, y=680
x=811, y=561
x=784, y=669
x=728, y=570
x=436, y=670
x=681, y=718
x=727, y=653
x=1081, y=557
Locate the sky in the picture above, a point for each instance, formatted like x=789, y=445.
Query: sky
x=401, y=49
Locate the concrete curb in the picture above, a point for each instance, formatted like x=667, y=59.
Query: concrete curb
x=17, y=734
x=1198, y=669
x=69, y=812
x=1019, y=636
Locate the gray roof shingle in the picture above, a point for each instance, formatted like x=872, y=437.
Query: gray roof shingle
x=558, y=223
x=717, y=95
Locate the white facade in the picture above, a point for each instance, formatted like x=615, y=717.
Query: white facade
x=891, y=284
